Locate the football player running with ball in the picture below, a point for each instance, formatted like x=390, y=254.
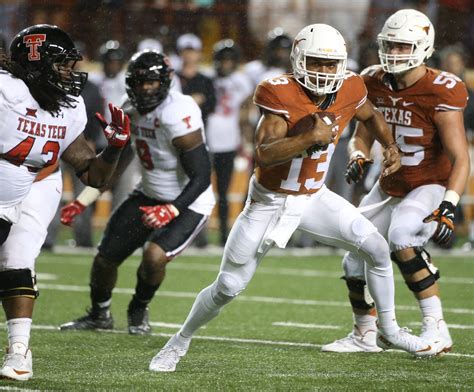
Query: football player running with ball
x=287, y=191
x=424, y=108
x=43, y=116
x=168, y=207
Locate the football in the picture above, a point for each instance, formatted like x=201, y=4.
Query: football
x=306, y=123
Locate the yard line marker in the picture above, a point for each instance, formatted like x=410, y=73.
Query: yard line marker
x=452, y=326
x=298, y=272
x=301, y=325
x=227, y=339
x=45, y=276
x=247, y=298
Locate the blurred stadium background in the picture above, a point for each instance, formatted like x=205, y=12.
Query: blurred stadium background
x=247, y=22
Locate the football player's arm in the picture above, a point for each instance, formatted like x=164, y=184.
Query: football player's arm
x=89, y=194
x=375, y=123
x=274, y=147
x=450, y=126
x=195, y=161
x=96, y=171
x=358, y=148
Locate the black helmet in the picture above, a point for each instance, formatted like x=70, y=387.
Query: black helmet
x=148, y=65
x=110, y=51
x=225, y=49
x=277, y=42
x=40, y=51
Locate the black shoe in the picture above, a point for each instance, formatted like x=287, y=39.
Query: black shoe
x=94, y=319
x=138, y=321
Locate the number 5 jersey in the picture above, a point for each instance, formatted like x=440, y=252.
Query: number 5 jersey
x=410, y=113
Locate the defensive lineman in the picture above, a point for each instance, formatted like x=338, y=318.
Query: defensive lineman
x=169, y=206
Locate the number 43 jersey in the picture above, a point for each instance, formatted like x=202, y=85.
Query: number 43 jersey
x=31, y=138
x=410, y=113
x=163, y=177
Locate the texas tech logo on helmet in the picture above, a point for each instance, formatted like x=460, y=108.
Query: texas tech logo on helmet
x=32, y=41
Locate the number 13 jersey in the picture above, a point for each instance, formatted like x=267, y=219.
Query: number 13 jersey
x=410, y=113
x=286, y=97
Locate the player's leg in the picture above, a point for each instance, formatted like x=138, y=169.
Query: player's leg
x=223, y=166
x=363, y=336
x=124, y=234
x=17, y=278
x=407, y=237
x=240, y=260
x=164, y=244
x=336, y=222
x=5, y=228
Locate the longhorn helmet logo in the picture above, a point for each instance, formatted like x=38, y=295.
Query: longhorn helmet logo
x=32, y=41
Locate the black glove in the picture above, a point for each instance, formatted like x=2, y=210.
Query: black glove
x=356, y=168
x=444, y=215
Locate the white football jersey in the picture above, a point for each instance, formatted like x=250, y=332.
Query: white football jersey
x=32, y=138
x=223, y=130
x=163, y=177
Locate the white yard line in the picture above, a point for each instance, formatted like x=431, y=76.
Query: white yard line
x=301, y=325
x=451, y=326
x=236, y=340
x=298, y=272
x=247, y=298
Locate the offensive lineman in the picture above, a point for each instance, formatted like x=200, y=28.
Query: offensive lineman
x=43, y=117
x=169, y=206
x=424, y=107
x=287, y=191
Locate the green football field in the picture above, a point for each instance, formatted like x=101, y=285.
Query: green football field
x=267, y=339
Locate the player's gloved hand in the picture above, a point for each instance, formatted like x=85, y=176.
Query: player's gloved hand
x=117, y=132
x=158, y=216
x=444, y=215
x=392, y=159
x=70, y=211
x=356, y=168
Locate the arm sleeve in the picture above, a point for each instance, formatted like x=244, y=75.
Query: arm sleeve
x=197, y=166
x=451, y=95
x=266, y=98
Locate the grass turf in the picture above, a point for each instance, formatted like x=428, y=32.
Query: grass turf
x=303, y=290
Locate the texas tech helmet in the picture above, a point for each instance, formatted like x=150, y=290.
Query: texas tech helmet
x=277, y=49
x=41, y=51
x=146, y=66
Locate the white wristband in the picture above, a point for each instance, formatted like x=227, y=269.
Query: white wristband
x=357, y=153
x=452, y=197
x=88, y=196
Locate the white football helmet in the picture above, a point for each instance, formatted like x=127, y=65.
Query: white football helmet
x=322, y=41
x=408, y=27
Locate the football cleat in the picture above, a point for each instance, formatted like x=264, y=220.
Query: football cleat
x=94, y=319
x=436, y=331
x=17, y=363
x=355, y=342
x=138, y=321
x=169, y=356
x=405, y=341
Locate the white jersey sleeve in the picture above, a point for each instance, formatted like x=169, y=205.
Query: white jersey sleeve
x=181, y=116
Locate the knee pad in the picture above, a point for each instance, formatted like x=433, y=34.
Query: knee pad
x=18, y=283
x=226, y=287
x=358, y=289
x=376, y=251
x=421, y=261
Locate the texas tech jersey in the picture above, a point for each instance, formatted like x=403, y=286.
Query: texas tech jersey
x=286, y=97
x=31, y=138
x=223, y=130
x=410, y=113
x=163, y=177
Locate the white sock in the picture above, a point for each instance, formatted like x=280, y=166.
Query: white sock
x=382, y=289
x=204, y=310
x=105, y=304
x=19, y=331
x=365, y=322
x=431, y=307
